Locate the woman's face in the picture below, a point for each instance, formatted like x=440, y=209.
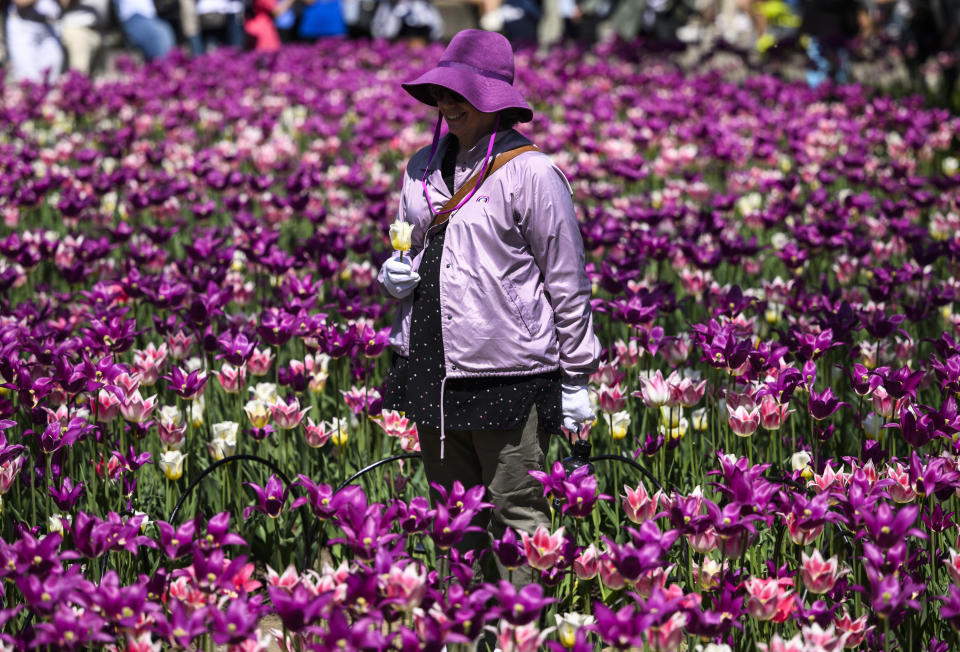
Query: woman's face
x=463, y=120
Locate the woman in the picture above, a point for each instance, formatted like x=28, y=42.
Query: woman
x=494, y=337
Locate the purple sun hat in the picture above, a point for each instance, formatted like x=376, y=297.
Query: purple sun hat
x=479, y=66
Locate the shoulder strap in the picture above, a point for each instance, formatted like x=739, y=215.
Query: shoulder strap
x=498, y=162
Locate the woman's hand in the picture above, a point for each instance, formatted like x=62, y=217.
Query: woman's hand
x=399, y=279
x=576, y=406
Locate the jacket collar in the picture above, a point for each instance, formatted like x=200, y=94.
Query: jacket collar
x=505, y=140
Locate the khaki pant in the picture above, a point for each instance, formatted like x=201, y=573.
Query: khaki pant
x=81, y=43
x=500, y=461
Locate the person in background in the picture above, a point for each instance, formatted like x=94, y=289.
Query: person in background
x=32, y=41
x=518, y=20
x=261, y=27
x=319, y=19
x=220, y=22
x=81, y=30
x=830, y=25
x=143, y=29
x=417, y=21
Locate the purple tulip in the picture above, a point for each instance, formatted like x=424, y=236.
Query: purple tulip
x=68, y=629
x=519, y=607
x=950, y=609
x=183, y=624
x=236, y=348
x=580, y=493
x=270, y=498
x=509, y=550
x=186, y=385
x=218, y=534
x=276, y=327
x=885, y=527
x=67, y=496
x=823, y=404
x=237, y=623
x=176, y=542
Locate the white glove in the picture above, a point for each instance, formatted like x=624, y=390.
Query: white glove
x=399, y=278
x=576, y=406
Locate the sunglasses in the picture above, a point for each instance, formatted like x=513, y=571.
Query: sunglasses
x=439, y=93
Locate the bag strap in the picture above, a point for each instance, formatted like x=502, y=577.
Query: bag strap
x=498, y=162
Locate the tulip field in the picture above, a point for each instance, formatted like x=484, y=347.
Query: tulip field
x=193, y=345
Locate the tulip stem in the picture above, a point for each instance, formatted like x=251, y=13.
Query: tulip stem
x=276, y=534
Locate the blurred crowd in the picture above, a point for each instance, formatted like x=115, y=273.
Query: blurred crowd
x=44, y=38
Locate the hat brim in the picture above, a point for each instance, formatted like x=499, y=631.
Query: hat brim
x=485, y=94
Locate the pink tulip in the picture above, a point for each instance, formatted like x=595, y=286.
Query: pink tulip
x=885, y=405
x=317, y=434
x=543, y=549
x=800, y=536
x=609, y=574
x=777, y=644
x=764, y=596
x=819, y=575
x=818, y=638
x=611, y=399
x=587, y=564
x=180, y=344
x=129, y=383
x=406, y=586
x=149, y=363
x=288, y=416
x=855, y=630
x=9, y=471
x=901, y=490
x=628, y=353
x=142, y=643
x=259, y=362
x=288, y=580
x=704, y=542
x=735, y=400
x=668, y=636
x=60, y=416
x=654, y=390
x=231, y=378
x=772, y=414
x=638, y=505
x=608, y=373
x=359, y=399
x=829, y=478
x=744, y=422
x=684, y=391
x=694, y=280
x=650, y=580
x=171, y=434
x=108, y=406
x=953, y=567
x=520, y=638
x=394, y=424
x=675, y=350
x=136, y=409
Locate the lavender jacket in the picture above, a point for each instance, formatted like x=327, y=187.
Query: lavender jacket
x=514, y=294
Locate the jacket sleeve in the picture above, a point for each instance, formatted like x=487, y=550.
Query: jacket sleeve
x=546, y=218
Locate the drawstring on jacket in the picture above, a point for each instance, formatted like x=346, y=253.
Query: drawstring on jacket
x=443, y=434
